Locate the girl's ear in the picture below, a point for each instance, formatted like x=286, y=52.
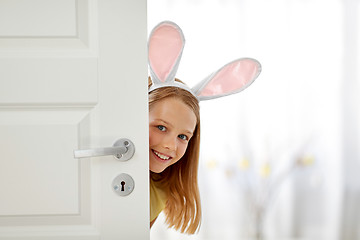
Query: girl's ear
x=165, y=46
x=231, y=78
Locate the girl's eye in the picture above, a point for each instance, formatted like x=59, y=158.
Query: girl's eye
x=183, y=137
x=161, y=128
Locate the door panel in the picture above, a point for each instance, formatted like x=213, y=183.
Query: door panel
x=56, y=18
x=74, y=77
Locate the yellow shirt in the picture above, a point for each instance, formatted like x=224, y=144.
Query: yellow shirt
x=158, y=200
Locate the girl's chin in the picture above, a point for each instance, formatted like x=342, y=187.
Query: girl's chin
x=157, y=167
x=156, y=170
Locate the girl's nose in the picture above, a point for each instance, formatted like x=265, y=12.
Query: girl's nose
x=170, y=143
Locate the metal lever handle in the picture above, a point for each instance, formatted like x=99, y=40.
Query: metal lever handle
x=123, y=150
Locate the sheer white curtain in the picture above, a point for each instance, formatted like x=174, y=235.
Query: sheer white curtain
x=304, y=105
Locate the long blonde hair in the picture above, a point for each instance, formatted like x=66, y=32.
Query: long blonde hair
x=183, y=208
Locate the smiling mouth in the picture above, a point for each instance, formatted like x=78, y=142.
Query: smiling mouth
x=161, y=156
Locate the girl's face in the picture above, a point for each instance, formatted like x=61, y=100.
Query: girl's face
x=171, y=126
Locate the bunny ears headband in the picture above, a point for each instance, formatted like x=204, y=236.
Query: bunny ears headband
x=165, y=46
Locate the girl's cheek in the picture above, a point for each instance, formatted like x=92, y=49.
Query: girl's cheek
x=183, y=148
x=154, y=138
x=151, y=138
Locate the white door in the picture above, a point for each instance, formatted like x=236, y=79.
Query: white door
x=73, y=75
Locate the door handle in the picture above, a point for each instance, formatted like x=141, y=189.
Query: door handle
x=123, y=150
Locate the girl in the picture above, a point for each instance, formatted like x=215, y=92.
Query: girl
x=174, y=125
x=174, y=139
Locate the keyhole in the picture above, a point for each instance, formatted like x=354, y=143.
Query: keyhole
x=122, y=186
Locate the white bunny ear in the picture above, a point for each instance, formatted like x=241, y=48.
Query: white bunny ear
x=165, y=46
x=231, y=78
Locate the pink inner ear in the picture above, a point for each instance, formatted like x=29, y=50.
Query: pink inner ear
x=165, y=46
x=231, y=78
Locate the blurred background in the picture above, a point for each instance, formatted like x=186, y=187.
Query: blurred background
x=281, y=159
